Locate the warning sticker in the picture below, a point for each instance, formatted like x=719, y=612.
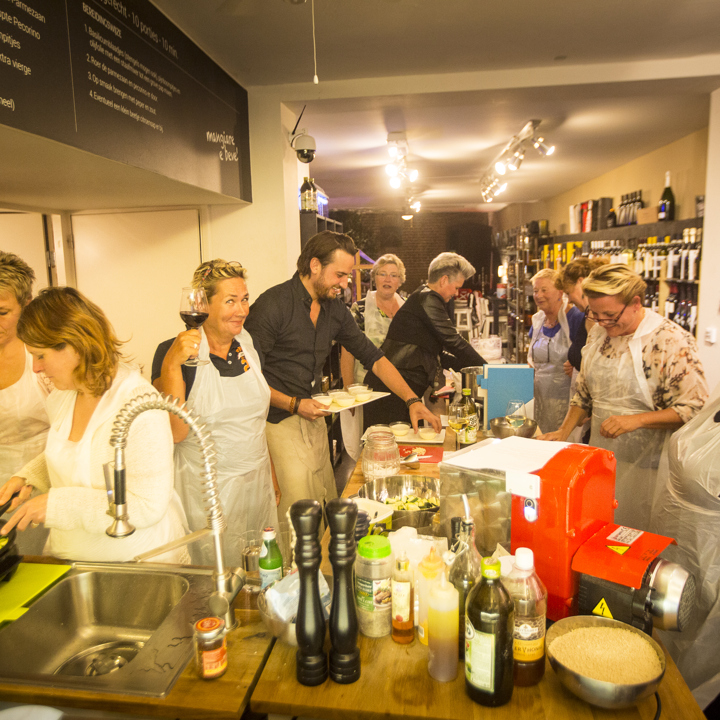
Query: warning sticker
x=619, y=549
x=602, y=609
x=625, y=535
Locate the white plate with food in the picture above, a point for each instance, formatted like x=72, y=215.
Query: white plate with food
x=427, y=436
x=347, y=401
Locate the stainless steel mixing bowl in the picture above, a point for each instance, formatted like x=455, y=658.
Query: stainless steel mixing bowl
x=402, y=486
x=502, y=429
x=596, y=692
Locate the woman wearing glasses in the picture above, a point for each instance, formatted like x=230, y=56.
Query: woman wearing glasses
x=640, y=379
x=373, y=314
x=554, y=327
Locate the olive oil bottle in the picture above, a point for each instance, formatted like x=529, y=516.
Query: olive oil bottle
x=489, y=626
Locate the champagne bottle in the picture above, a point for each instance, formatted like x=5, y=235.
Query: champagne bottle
x=666, y=207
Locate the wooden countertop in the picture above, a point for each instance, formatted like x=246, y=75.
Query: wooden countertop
x=395, y=683
x=190, y=698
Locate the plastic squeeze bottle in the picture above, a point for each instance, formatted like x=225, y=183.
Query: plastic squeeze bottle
x=443, y=630
x=429, y=570
x=270, y=563
x=530, y=598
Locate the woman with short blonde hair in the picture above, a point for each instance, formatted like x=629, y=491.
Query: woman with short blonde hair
x=554, y=327
x=229, y=391
x=73, y=343
x=640, y=379
x=24, y=422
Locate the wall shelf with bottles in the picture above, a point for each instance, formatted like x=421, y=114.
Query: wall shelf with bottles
x=627, y=232
x=311, y=224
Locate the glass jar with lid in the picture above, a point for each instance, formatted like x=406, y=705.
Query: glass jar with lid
x=210, y=648
x=380, y=457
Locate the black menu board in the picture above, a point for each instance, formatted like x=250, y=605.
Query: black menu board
x=116, y=78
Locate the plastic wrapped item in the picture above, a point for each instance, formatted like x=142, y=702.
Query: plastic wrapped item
x=283, y=596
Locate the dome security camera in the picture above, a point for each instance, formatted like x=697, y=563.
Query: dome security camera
x=304, y=146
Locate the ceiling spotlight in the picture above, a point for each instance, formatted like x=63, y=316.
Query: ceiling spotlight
x=502, y=188
x=416, y=206
x=391, y=169
x=500, y=168
x=413, y=175
x=542, y=148
x=407, y=215
x=395, y=182
x=516, y=160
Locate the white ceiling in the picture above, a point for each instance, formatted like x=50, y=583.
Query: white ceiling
x=454, y=136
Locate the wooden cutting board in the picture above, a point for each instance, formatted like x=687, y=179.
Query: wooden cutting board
x=29, y=581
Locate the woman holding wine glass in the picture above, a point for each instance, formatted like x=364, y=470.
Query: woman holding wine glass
x=215, y=368
x=73, y=344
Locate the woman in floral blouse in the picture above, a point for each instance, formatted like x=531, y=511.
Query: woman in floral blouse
x=640, y=380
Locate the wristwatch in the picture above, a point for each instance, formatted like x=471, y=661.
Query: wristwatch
x=412, y=401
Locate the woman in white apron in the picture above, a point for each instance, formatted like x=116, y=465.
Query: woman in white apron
x=373, y=315
x=72, y=342
x=231, y=396
x=688, y=509
x=23, y=418
x=553, y=329
x=640, y=379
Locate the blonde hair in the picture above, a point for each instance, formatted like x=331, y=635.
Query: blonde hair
x=388, y=259
x=578, y=269
x=211, y=273
x=545, y=274
x=616, y=279
x=61, y=316
x=17, y=277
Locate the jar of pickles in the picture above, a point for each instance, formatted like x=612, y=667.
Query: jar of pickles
x=380, y=457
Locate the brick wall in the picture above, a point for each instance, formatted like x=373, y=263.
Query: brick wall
x=418, y=241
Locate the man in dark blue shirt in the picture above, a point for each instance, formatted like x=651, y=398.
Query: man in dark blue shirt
x=293, y=326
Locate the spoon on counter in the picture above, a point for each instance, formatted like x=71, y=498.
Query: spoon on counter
x=411, y=461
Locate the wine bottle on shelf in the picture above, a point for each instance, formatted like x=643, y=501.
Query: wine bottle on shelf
x=306, y=196
x=666, y=207
x=611, y=220
x=671, y=302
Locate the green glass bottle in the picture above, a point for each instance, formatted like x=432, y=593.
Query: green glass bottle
x=489, y=626
x=270, y=563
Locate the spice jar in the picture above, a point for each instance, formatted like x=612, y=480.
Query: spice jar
x=380, y=457
x=210, y=648
x=373, y=594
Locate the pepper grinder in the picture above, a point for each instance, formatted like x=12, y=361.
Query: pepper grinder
x=344, y=654
x=312, y=667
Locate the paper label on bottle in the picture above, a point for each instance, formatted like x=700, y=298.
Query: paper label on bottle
x=269, y=576
x=213, y=662
x=401, y=601
x=479, y=658
x=263, y=550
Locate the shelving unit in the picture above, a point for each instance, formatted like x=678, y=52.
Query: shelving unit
x=311, y=224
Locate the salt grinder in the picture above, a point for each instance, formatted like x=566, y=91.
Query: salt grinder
x=344, y=654
x=312, y=667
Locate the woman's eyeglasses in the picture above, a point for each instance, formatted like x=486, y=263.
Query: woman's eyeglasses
x=392, y=276
x=606, y=321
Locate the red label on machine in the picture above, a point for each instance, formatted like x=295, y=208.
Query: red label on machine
x=619, y=554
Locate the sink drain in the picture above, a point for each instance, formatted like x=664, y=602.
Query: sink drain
x=100, y=659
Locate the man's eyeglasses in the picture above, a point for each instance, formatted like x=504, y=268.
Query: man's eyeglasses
x=607, y=321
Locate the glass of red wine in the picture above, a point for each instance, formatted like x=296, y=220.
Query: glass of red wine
x=193, y=312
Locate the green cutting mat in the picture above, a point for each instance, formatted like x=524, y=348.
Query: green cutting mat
x=29, y=580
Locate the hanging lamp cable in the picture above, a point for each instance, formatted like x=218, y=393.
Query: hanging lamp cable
x=315, y=77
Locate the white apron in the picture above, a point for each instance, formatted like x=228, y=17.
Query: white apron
x=376, y=330
x=688, y=509
x=618, y=386
x=23, y=422
x=69, y=464
x=234, y=411
x=552, y=386
x=23, y=432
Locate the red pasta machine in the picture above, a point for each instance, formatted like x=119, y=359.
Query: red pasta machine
x=564, y=513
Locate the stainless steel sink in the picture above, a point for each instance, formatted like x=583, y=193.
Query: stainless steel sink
x=110, y=628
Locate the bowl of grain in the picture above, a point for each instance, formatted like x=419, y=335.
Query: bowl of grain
x=604, y=662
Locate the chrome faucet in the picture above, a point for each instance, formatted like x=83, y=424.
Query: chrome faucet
x=228, y=583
